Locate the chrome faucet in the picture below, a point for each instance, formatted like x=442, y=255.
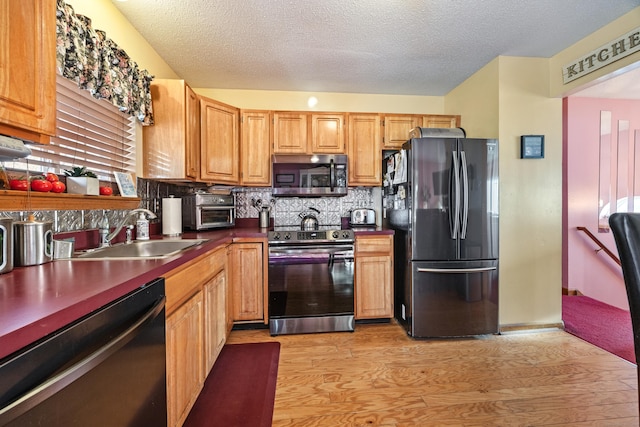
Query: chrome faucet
x=114, y=233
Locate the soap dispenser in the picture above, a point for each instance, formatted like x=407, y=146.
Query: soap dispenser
x=142, y=227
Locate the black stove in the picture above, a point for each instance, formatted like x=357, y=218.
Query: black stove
x=311, y=280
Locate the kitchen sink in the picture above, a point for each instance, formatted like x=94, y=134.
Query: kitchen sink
x=146, y=249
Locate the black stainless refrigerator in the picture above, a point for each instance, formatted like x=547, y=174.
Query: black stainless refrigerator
x=440, y=195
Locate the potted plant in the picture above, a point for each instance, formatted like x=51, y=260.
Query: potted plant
x=82, y=181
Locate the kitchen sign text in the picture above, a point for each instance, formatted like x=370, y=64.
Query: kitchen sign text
x=604, y=55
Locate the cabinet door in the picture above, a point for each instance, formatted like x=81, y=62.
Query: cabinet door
x=289, y=133
x=171, y=145
x=192, y=144
x=397, y=128
x=327, y=133
x=255, y=148
x=219, y=142
x=440, y=121
x=215, y=323
x=27, y=69
x=364, y=145
x=246, y=264
x=185, y=359
x=374, y=277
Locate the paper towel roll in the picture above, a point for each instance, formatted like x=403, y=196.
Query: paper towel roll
x=172, y=216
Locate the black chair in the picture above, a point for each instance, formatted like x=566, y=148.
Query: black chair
x=626, y=232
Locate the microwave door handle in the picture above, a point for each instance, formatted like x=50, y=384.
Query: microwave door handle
x=332, y=175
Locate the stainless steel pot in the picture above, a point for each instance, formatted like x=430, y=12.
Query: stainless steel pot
x=33, y=242
x=6, y=245
x=309, y=221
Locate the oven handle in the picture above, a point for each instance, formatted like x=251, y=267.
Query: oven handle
x=310, y=249
x=215, y=208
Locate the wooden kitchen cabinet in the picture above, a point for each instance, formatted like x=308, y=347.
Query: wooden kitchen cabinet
x=215, y=309
x=172, y=144
x=28, y=69
x=290, y=132
x=440, y=121
x=364, y=143
x=374, y=277
x=196, y=329
x=185, y=358
x=255, y=147
x=219, y=142
x=248, y=276
x=397, y=128
x=327, y=133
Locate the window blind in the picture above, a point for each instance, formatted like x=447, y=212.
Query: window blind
x=89, y=132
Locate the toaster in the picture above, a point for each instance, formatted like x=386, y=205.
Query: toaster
x=362, y=216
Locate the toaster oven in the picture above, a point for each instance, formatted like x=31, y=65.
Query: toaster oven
x=202, y=211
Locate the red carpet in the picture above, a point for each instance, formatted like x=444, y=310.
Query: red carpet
x=240, y=389
x=600, y=324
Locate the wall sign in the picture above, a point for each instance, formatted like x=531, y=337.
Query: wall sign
x=532, y=147
x=604, y=55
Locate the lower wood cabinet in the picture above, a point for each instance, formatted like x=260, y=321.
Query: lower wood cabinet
x=247, y=265
x=185, y=358
x=374, y=277
x=196, y=328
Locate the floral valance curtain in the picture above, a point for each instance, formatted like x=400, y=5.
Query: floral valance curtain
x=99, y=65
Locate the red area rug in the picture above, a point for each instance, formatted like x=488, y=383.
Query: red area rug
x=600, y=324
x=240, y=389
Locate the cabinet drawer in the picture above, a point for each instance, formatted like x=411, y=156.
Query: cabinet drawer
x=182, y=284
x=374, y=244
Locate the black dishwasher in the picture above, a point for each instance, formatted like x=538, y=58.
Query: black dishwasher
x=106, y=369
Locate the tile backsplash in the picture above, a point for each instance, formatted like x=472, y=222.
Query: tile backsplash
x=285, y=212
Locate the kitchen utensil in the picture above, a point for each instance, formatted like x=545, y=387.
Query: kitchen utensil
x=6, y=245
x=264, y=217
x=309, y=220
x=33, y=242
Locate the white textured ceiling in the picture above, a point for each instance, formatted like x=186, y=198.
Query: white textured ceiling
x=419, y=47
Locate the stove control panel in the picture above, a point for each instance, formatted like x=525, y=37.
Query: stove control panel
x=311, y=236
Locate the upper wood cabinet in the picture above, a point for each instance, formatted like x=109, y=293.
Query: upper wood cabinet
x=219, y=142
x=308, y=133
x=440, y=121
x=290, y=132
x=27, y=69
x=397, y=128
x=255, y=147
x=327, y=133
x=364, y=143
x=172, y=144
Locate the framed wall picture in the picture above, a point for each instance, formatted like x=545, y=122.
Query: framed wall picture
x=126, y=184
x=532, y=147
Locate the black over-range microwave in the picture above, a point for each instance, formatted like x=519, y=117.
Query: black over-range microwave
x=309, y=175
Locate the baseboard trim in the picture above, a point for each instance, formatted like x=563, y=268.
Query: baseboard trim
x=529, y=327
x=571, y=292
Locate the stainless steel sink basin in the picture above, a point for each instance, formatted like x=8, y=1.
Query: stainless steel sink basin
x=147, y=249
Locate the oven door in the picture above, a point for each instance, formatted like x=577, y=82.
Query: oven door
x=311, y=288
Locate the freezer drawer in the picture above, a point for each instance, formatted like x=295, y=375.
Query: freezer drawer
x=450, y=299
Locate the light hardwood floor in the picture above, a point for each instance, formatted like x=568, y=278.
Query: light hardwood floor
x=377, y=376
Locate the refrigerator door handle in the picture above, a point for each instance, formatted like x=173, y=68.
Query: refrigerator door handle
x=465, y=195
x=456, y=270
x=454, y=218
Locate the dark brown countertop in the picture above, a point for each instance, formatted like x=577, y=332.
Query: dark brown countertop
x=38, y=300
